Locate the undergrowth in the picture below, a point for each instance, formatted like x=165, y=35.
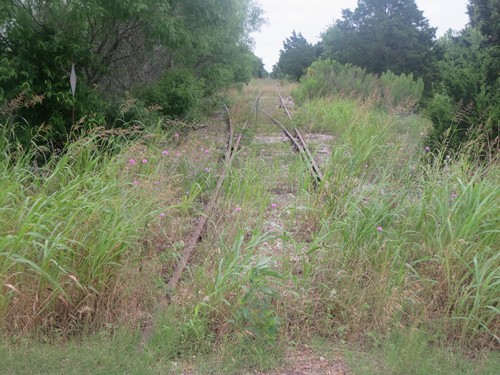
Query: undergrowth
x=395, y=252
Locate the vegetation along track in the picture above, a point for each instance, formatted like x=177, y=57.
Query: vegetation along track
x=232, y=145
x=253, y=265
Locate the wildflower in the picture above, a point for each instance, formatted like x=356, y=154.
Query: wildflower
x=135, y=182
x=454, y=194
x=207, y=169
x=176, y=136
x=162, y=215
x=164, y=152
x=178, y=154
x=427, y=148
x=274, y=205
x=237, y=209
x=207, y=151
x=144, y=161
x=132, y=162
x=379, y=229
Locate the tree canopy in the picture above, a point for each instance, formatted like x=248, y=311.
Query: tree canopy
x=381, y=35
x=295, y=57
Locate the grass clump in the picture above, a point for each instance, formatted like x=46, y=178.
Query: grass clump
x=329, y=78
x=404, y=235
x=70, y=236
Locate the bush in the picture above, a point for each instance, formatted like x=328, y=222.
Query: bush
x=178, y=93
x=330, y=78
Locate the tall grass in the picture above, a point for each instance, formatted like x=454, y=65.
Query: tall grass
x=66, y=231
x=407, y=236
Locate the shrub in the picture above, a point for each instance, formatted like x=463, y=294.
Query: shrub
x=179, y=93
x=326, y=78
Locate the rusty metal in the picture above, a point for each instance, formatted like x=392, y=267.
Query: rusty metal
x=315, y=171
x=193, y=239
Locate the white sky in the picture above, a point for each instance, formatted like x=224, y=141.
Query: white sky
x=311, y=17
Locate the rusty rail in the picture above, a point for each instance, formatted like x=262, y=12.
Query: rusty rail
x=231, y=150
x=300, y=146
x=298, y=142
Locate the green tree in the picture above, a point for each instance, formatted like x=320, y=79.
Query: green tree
x=485, y=15
x=258, y=69
x=117, y=47
x=295, y=57
x=466, y=102
x=381, y=35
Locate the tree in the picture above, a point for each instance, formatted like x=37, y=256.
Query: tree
x=382, y=35
x=258, y=69
x=485, y=15
x=295, y=57
x=117, y=47
x=466, y=102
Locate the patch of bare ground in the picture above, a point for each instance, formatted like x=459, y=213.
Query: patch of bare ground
x=304, y=361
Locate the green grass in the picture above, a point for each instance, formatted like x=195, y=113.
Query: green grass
x=433, y=260
x=413, y=353
x=71, y=232
x=99, y=354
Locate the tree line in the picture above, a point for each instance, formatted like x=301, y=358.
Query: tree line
x=460, y=70
x=132, y=59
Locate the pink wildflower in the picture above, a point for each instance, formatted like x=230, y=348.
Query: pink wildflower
x=274, y=205
x=164, y=152
x=207, y=169
x=178, y=154
x=237, y=209
x=135, y=182
x=162, y=215
x=207, y=151
x=427, y=148
x=132, y=162
x=379, y=229
x=144, y=161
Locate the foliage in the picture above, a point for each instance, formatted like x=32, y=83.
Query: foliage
x=68, y=230
x=177, y=92
x=330, y=78
x=380, y=36
x=485, y=15
x=116, y=47
x=258, y=69
x=465, y=104
x=411, y=245
x=297, y=54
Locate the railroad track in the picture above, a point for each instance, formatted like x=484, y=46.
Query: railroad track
x=232, y=145
x=298, y=143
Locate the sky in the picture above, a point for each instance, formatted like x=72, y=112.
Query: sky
x=311, y=17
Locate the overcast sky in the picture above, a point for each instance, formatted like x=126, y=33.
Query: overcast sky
x=311, y=17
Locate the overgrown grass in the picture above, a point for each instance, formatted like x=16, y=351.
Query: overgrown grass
x=71, y=232
x=395, y=253
x=416, y=352
x=328, y=78
x=406, y=237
